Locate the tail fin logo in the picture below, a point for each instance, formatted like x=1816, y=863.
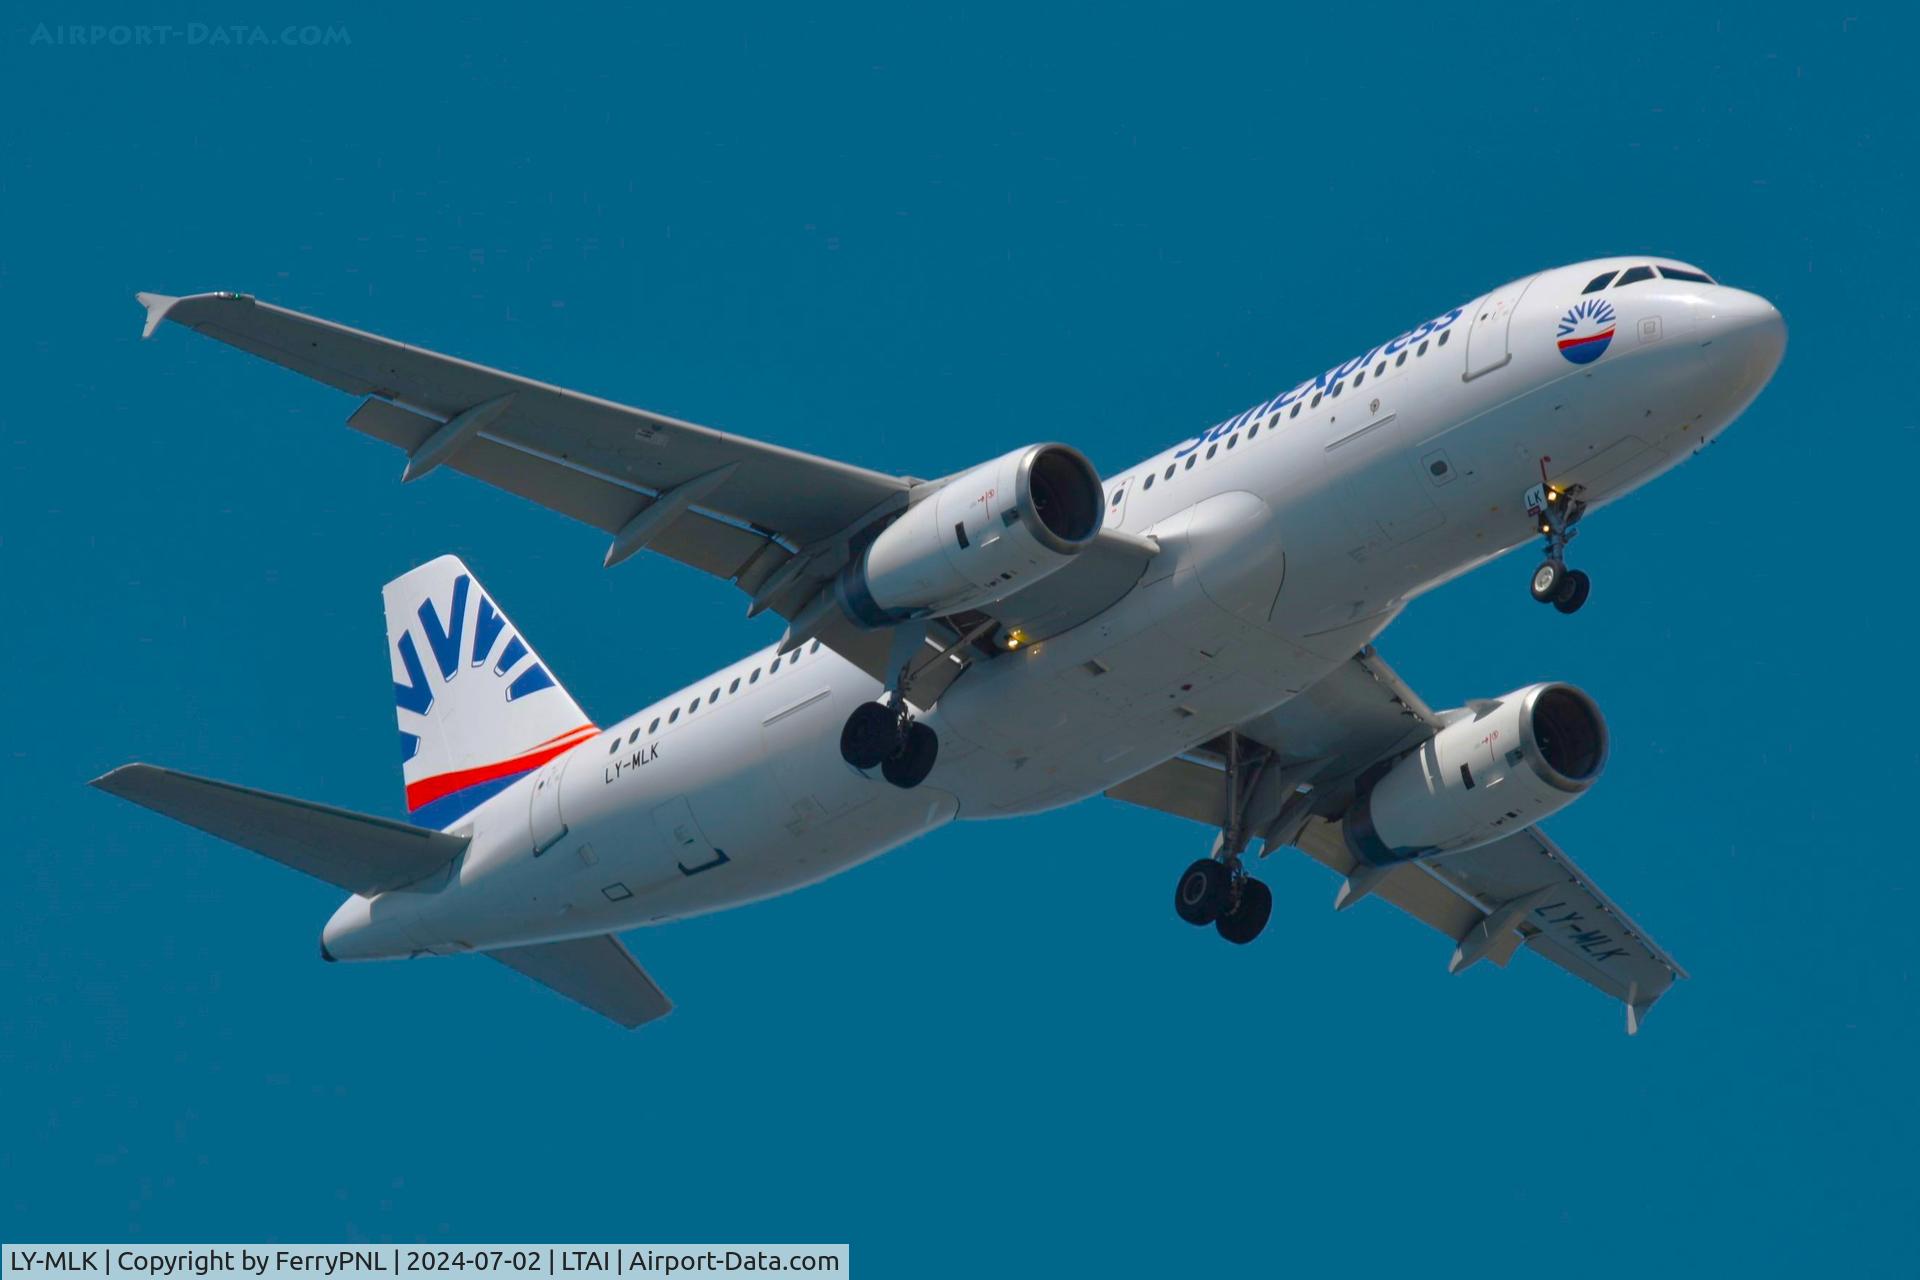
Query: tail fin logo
x=454, y=652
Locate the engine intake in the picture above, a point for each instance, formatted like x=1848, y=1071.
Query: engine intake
x=1493, y=769
x=983, y=535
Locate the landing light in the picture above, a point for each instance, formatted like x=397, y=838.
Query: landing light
x=1015, y=638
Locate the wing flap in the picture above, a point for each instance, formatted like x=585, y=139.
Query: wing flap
x=355, y=851
x=598, y=972
x=711, y=546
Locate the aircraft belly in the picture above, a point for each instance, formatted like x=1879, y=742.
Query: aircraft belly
x=1084, y=711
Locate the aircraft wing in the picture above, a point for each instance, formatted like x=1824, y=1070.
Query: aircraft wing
x=1519, y=890
x=602, y=463
x=777, y=522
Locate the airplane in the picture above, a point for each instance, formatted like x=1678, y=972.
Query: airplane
x=1194, y=634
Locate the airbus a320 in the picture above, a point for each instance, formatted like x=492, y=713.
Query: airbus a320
x=1193, y=634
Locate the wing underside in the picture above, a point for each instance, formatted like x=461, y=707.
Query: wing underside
x=1519, y=890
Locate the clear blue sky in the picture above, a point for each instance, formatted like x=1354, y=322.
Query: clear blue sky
x=914, y=242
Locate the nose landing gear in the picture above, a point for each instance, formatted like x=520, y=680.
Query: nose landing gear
x=1558, y=510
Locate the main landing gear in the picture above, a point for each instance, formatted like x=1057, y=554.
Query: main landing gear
x=889, y=736
x=1226, y=897
x=1558, y=511
x=1217, y=890
x=885, y=733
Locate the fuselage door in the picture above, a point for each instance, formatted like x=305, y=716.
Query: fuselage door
x=1487, y=347
x=1117, y=503
x=543, y=817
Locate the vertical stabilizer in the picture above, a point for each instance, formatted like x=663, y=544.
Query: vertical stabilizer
x=478, y=708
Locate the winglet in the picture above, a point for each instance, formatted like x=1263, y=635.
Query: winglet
x=157, y=305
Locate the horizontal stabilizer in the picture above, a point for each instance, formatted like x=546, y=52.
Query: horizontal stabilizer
x=599, y=972
x=355, y=851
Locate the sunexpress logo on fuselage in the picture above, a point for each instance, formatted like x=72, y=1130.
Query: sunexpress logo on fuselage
x=446, y=642
x=1586, y=330
x=1324, y=383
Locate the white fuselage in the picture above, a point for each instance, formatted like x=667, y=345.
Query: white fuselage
x=1289, y=536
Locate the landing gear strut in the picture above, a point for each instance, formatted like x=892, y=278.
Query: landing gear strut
x=885, y=733
x=1217, y=890
x=1558, y=510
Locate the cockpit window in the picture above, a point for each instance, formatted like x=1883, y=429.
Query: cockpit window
x=1598, y=283
x=1681, y=273
x=1633, y=275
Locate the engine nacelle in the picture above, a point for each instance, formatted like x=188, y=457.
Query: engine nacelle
x=987, y=533
x=1490, y=772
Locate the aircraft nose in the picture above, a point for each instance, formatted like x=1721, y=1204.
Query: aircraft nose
x=1750, y=332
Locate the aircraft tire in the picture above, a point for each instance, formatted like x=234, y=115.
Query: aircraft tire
x=1547, y=580
x=1204, y=891
x=1248, y=917
x=914, y=762
x=871, y=735
x=1573, y=593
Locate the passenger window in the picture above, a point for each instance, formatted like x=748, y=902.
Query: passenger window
x=693, y=706
x=815, y=648
x=1316, y=401
x=655, y=726
x=1380, y=368
x=1116, y=496
x=1295, y=411
x=1233, y=440
x=1211, y=450
x=1399, y=359
x=1598, y=283
x=1679, y=273
x=1191, y=459
x=1337, y=388
x=714, y=696
x=755, y=677
x=1633, y=275
x=1444, y=335
x=1423, y=349
x=1169, y=474
x=774, y=667
x=614, y=745
x=1149, y=482
x=634, y=736
x=675, y=717
x=1360, y=378
x=735, y=686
